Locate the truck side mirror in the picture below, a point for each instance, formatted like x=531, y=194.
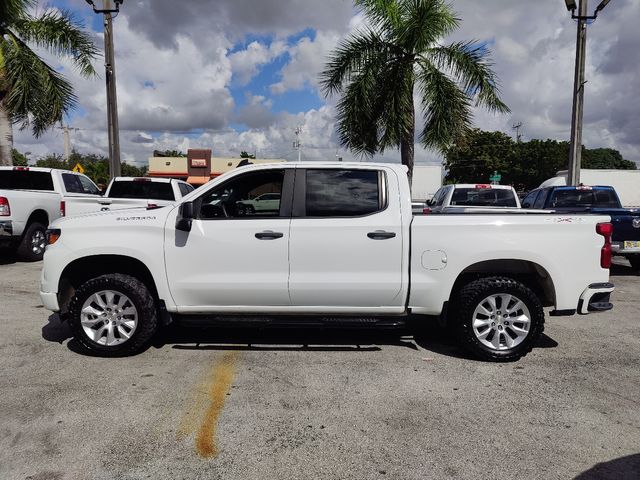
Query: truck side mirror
x=185, y=216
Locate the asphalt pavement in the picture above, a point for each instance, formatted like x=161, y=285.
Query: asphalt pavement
x=249, y=403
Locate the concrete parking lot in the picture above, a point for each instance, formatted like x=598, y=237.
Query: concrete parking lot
x=239, y=403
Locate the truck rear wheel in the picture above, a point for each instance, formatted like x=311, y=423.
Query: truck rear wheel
x=498, y=318
x=31, y=247
x=113, y=315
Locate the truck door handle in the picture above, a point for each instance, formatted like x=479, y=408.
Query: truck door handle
x=268, y=235
x=380, y=235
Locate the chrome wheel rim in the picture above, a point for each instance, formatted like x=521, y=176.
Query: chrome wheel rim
x=38, y=242
x=109, y=318
x=501, y=321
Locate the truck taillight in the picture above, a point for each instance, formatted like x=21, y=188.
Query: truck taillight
x=426, y=210
x=63, y=208
x=606, y=230
x=5, y=210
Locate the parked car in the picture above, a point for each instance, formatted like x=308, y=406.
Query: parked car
x=343, y=243
x=267, y=202
x=31, y=198
x=599, y=200
x=464, y=198
x=130, y=192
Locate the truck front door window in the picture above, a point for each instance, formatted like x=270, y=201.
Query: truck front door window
x=254, y=195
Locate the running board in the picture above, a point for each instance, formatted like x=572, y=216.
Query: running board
x=292, y=321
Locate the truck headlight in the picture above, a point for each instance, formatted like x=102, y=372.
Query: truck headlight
x=53, y=234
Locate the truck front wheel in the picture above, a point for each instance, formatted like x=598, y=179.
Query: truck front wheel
x=113, y=315
x=498, y=318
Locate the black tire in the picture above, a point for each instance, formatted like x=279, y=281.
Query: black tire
x=250, y=210
x=472, y=295
x=34, y=232
x=139, y=296
x=634, y=260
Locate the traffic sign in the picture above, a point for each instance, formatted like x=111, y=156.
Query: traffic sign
x=496, y=177
x=78, y=168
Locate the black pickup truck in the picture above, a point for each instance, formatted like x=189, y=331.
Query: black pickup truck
x=601, y=200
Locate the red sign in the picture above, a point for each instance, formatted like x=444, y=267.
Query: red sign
x=198, y=162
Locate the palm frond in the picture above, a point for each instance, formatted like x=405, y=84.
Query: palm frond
x=424, y=22
x=350, y=57
x=60, y=33
x=384, y=15
x=38, y=96
x=446, y=108
x=470, y=63
x=11, y=10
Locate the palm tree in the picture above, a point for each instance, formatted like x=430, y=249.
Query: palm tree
x=377, y=69
x=31, y=92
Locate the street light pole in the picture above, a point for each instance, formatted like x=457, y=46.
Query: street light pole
x=108, y=8
x=575, y=150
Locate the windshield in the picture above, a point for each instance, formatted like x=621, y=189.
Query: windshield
x=483, y=197
x=142, y=189
x=602, y=198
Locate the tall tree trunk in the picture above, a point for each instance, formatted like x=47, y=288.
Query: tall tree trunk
x=6, y=137
x=406, y=142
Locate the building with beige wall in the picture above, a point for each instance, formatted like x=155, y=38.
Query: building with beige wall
x=177, y=167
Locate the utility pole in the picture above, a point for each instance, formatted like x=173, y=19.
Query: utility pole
x=67, y=140
x=109, y=7
x=517, y=127
x=575, y=150
x=296, y=143
x=112, y=103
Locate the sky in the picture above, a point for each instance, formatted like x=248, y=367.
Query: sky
x=235, y=75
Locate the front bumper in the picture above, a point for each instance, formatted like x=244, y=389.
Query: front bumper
x=596, y=298
x=50, y=301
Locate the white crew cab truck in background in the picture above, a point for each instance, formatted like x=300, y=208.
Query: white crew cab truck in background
x=468, y=198
x=343, y=243
x=131, y=192
x=31, y=198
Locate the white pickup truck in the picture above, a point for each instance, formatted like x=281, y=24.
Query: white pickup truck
x=31, y=198
x=131, y=192
x=470, y=198
x=344, y=244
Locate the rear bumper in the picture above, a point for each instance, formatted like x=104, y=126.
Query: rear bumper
x=6, y=229
x=618, y=249
x=596, y=298
x=50, y=301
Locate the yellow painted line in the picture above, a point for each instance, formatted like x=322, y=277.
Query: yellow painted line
x=217, y=387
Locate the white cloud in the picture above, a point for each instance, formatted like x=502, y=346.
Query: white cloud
x=246, y=63
x=307, y=61
x=175, y=71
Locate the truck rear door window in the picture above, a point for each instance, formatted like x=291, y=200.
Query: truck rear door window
x=142, y=189
x=343, y=193
x=483, y=197
x=25, y=180
x=79, y=184
x=602, y=198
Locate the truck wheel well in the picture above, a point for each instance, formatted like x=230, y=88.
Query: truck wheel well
x=83, y=269
x=530, y=273
x=38, y=216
